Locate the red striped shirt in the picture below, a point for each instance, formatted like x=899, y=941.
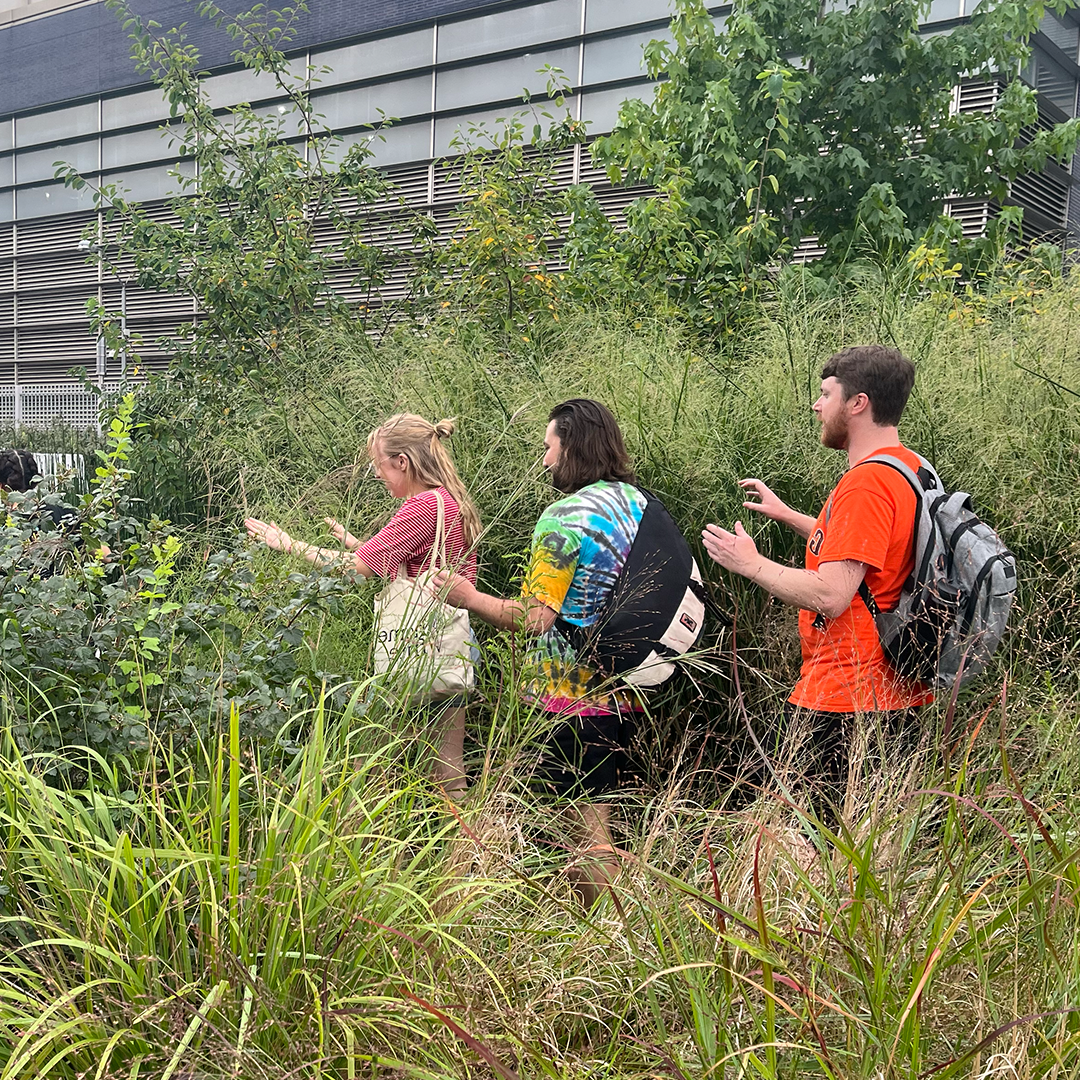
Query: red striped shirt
x=409, y=536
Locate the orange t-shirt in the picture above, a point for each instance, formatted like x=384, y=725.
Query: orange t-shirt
x=869, y=518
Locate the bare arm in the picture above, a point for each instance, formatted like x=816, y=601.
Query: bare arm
x=277, y=538
x=341, y=534
x=506, y=614
x=771, y=506
x=828, y=590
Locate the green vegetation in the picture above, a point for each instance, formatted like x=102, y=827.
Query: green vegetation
x=222, y=853
x=238, y=909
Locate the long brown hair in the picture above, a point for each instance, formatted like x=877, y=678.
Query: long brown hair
x=421, y=442
x=591, y=446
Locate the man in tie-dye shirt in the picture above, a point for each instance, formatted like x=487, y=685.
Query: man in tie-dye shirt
x=578, y=549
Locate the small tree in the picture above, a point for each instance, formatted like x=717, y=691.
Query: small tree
x=269, y=222
x=801, y=119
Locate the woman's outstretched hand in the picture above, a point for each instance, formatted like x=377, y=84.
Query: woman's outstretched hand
x=268, y=533
x=341, y=534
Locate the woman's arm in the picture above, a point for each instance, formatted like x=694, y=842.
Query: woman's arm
x=277, y=538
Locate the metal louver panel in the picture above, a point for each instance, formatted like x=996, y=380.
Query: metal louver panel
x=59, y=234
x=54, y=350
x=51, y=308
x=7, y=240
x=70, y=269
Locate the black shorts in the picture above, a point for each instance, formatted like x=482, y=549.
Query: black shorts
x=586, y=756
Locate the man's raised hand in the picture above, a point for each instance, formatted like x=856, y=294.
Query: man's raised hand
x=767, y=502
x=734, y=551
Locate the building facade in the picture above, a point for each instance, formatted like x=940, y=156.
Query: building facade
x=69, y=91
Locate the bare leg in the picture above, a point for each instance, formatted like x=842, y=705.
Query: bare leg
x=449, y=769
x=594, y=865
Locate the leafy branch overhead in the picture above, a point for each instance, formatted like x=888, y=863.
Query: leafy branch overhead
x=796, y=120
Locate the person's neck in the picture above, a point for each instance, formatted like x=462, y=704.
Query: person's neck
x=862, y=443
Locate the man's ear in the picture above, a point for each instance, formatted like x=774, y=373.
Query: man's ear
x=859, y=403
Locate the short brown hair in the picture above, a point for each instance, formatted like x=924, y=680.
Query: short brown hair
x=591, y=446
x=885, y=375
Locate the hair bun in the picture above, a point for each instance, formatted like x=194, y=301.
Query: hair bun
x=444, y=429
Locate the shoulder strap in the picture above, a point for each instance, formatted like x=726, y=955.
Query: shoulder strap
x=438, y=547
x=926, y=479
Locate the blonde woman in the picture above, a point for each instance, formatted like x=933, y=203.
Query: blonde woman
x=409, y=457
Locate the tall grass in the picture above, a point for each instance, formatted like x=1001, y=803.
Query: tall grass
x=336, y=916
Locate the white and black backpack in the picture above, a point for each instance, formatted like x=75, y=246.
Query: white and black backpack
x=655, y=612
x=953, y=609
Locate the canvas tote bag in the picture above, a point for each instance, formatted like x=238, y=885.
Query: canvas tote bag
x=422, y=646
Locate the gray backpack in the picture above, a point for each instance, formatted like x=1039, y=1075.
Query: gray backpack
x=953, y=609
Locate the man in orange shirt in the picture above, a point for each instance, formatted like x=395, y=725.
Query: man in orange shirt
x=863, y=535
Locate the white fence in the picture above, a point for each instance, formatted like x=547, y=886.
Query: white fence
x=42, y=406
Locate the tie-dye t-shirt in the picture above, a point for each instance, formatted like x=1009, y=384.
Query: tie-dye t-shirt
x=579, y=547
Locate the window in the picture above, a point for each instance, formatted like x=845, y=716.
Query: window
x=502, y=79
x=145, y=185
x=138, y=147
x=610, y=14
x=601, y=107
x=507, y=30
x=51, y=199
x=943, y=9
x=244, y=85
x=34, y=165
x=342, y=109
x=7, y=134
x=1063, y=34
x=371, y=59
x=7, y=170
x=618, y=57
x=131, y=109
x=401, y=143
x=50, y=127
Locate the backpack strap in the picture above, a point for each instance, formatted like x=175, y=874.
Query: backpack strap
x=921, y=481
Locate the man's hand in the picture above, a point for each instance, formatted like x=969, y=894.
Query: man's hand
x=768, y=502
x=453, y=589
x=734, y=551
x=772, y=506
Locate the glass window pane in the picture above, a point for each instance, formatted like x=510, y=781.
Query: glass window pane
x=34, y=165
x=509, y=30
x=601, y=107
x=370, y=59
x=131, y=109
x=7, y=134
x=343, y=109
x=609, y=14
x=7, y=170
x=156, y=144
x=492, y=120
x=246, y=85
x=51, y=199
x=943, y=9
x=1062, y=34
x=1054, y=82
x=7, y=205
x=396, y=144
x=502, y=79
x=143, y=185
x=618, y=57
x=57, y=124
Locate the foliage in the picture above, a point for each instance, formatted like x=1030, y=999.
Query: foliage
x=274, y=218
x=99, y=649
x=493, y=270
x=853, y=143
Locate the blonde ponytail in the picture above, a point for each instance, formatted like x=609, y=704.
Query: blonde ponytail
x=429, y=462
